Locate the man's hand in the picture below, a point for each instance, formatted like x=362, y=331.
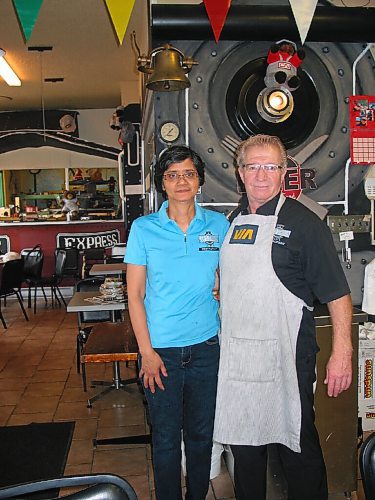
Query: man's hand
x=338, y=374
x=152, y=366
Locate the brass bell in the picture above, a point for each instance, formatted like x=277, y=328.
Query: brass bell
x=167, y=67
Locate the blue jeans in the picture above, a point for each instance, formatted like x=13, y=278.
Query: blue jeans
x=187, y=404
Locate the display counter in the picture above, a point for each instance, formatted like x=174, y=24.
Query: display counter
x=337, y=418
x=63, y=234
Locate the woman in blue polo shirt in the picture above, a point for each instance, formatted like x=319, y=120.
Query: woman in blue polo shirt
x=173, y=258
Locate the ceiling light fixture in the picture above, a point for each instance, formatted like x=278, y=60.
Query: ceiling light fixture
x=55, y=79
x=7, y=73
x=276, y=104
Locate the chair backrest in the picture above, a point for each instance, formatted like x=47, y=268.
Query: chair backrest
x=60, y=259
x=367, y=466
x=11, y=276
x=92, y=285
x=33, y=262
x=4, y=244
x=108, y=486
x=72, y=263
x=97, y=254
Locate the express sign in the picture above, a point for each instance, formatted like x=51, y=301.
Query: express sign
x=84, y=241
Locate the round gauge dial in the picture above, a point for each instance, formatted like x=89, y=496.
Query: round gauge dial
x=169, y=131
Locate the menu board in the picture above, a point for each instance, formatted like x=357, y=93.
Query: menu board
x=362, y=129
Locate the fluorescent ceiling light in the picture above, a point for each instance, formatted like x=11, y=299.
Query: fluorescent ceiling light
x=7, y=73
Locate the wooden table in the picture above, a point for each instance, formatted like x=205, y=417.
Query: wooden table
x=110, y=343
x=117, y=269
x=78, y=304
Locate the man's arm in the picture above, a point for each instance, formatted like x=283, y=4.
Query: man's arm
x=339, y=367
x=152, y=364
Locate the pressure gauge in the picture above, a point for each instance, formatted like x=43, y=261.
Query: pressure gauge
x=169, y=132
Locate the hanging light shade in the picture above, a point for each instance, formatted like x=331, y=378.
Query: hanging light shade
x=167, y=67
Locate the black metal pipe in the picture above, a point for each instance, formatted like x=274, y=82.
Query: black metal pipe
x=263, y=22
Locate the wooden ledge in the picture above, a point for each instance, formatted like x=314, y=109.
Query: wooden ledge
x=109, y=342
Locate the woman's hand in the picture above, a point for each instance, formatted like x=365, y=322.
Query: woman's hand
x=152, y=366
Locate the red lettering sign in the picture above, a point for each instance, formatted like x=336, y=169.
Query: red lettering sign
x=292, y=181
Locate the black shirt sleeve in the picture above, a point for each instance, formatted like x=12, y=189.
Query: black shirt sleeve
x=307, y=262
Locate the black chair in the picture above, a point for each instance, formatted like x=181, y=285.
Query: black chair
x=367, y=466
x=90, y=257
x=88, y=285
x=55, y=280
x=72, y=265
x=33, y=259
x=10, y=284
x=104, y=486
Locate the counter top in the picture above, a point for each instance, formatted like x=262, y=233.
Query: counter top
x=12, y=223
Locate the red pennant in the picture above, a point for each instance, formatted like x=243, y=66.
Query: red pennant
x=217, y=11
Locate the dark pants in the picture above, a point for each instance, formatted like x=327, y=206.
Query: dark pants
x=187, y=405
x=305, y=472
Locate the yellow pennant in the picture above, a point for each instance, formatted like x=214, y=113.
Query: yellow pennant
x=120, y=11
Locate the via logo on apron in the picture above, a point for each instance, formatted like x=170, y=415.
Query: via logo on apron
x=244, y=234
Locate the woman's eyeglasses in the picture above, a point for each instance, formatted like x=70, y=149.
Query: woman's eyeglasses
x=255, y=167
x=174, y=176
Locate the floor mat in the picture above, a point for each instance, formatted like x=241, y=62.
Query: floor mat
x=33, y=452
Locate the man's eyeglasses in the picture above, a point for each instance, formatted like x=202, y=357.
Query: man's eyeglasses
x=255, y=167
x=174, y=176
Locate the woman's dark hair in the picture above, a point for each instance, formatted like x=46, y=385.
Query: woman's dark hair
x=177, y=154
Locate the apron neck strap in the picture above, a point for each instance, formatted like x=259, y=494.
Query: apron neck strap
x=280, y=203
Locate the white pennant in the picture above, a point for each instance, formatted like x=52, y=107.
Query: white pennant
x=303, y=11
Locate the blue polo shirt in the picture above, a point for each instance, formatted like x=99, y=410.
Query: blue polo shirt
x=179, y=303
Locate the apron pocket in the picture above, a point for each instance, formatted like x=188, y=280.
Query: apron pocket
x=252, y=360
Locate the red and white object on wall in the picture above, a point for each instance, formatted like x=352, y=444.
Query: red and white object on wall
x=292, y=181
x=362, y=129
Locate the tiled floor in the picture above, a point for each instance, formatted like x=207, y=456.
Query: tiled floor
x=39, y=383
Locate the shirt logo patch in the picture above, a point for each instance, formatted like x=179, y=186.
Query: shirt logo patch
x=284, y=65
x=208, y=239
x=280, y=234
x=244, y=234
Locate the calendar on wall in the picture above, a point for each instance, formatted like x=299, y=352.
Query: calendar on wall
x=362, y=129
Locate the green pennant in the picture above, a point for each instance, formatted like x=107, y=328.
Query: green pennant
x=27, y=12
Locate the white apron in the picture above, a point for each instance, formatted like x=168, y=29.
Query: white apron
x=258, y=398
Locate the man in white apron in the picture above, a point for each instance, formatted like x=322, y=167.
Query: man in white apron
x=277, y=257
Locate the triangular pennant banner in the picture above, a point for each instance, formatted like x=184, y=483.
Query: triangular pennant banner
x=120, y=11
x=217, y=11
x=27, y=12
x=303, y=11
